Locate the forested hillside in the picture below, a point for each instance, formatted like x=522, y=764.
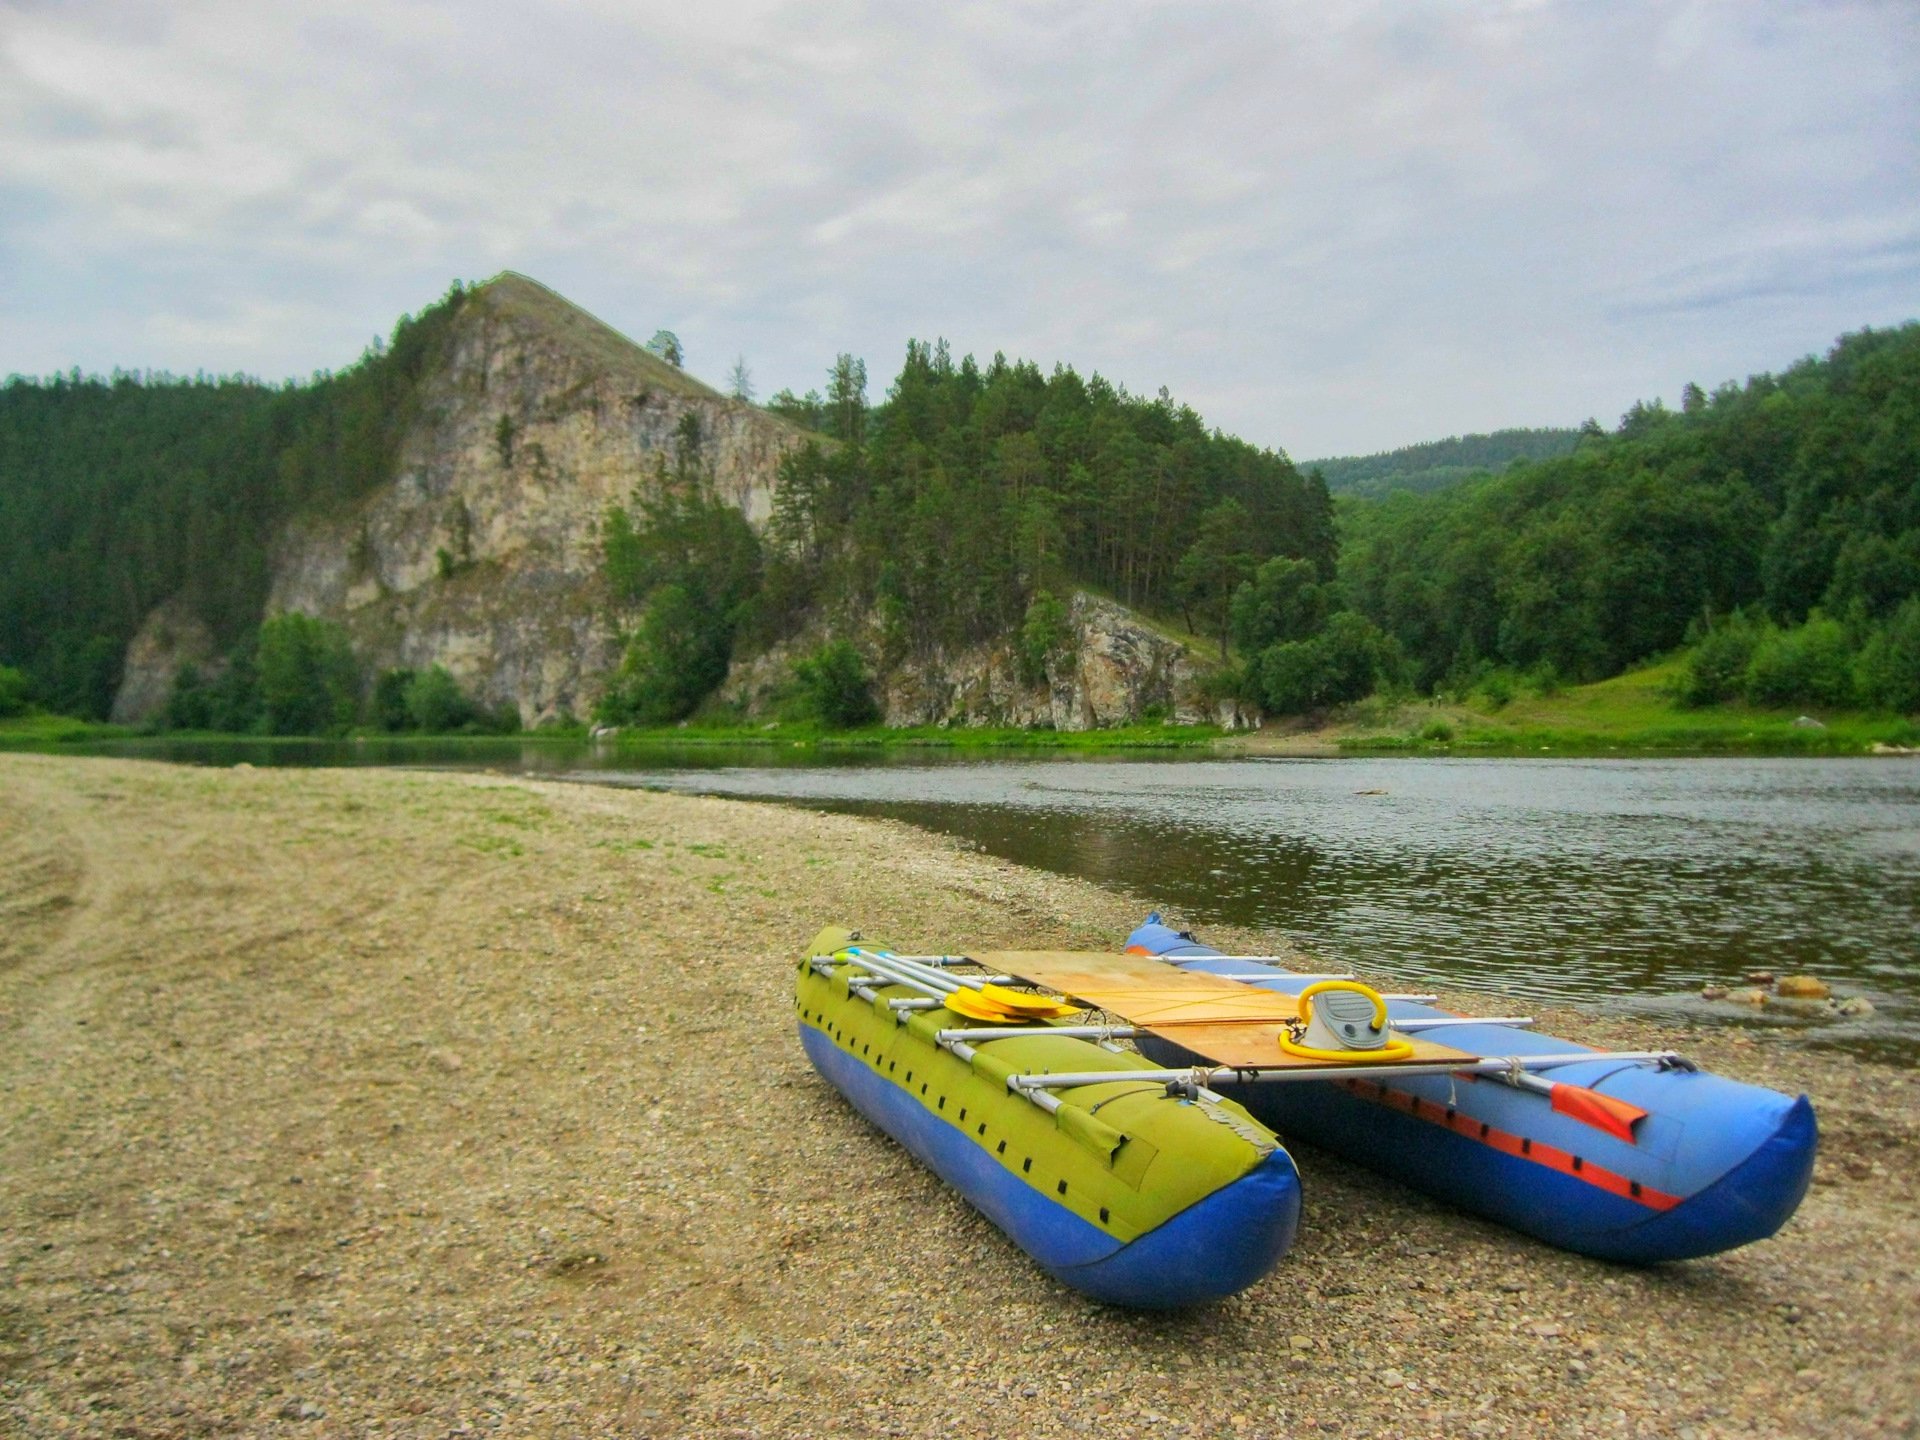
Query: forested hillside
x=970, y=491
x=117, y=494
x=962, y=507
x=1776, y=524
x=1791, y=503
x=1422, y=469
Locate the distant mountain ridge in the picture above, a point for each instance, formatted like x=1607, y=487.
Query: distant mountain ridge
x=1436, y=464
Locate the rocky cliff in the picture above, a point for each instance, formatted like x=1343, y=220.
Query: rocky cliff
x=1112, y=669
x=483, y=553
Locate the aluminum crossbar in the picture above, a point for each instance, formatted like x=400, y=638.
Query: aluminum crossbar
x=1414, y=1027
x=1210, y=1076
x=1008, y=1032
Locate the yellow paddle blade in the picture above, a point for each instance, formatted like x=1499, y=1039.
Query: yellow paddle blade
x=1021, y=1003
x=971, y=1004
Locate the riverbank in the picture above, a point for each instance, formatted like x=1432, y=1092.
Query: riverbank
x=56, y=733
x=1631, y=714
x=354, y=1100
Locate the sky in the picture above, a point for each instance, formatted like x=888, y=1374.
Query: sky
x=1331, y=227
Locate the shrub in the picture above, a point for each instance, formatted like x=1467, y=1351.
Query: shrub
x=675, y=659
x=190, y=702
x=1289, y=677
x=1811, y=665
x=13, y=691
x=435, y=702
x=1887, y=673
x=1347, y=660
x=1717, y=670
x=1283, y=602
x=390, y=711
x=833, y=687
x=307, y=679
x=1045, y=636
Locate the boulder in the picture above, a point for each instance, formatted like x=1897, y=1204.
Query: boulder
x=1802, y=987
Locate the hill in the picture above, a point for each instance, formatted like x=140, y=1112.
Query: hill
x=1782, y=515
x=512, y=513
x=1422, y=469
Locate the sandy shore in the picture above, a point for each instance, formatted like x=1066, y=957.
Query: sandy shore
x=353, y=1102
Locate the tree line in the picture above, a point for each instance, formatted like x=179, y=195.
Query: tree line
x=119, y=492
x=1744, y=517
x=958, y=509
x=1437, y=464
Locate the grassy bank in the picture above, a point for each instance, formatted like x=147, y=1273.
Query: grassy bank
x=1631, y=713
x=37, y=732
x=954, y=737
x=43, y=732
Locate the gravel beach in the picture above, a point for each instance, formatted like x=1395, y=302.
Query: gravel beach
x=359, y=1102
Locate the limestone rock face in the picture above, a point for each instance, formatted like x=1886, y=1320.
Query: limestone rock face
x=1114, y=670
x=482, y=554
x=170, y=637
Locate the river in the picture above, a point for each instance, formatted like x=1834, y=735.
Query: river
x=1618, y=883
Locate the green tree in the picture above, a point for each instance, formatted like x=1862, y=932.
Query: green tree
x=190, y=703
x=846, y=403
x=1717, y=668
x=435, y=703
x=308, y=682
x=834, y=687
x=13, y=691
x=1217, y=563
x=389, y=705
x=676, y=658
x=1046, y=636
x=1283, y=602
x=1887, y=673
x=1811, y=664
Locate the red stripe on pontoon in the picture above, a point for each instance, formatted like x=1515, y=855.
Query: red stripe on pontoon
x=1520, y=1147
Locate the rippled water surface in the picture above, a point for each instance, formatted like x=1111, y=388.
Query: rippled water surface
x=1628, y=883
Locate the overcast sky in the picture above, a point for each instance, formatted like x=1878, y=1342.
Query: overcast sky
x=1330, y=227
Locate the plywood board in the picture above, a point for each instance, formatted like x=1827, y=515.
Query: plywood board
x=1144, y=991
x=1225, y=1021
x=1257, y=1046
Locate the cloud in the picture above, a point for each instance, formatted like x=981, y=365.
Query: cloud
x=1330, y=228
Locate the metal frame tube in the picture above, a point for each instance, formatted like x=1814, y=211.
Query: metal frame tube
x=1072, y=1032
x=1212, y=1075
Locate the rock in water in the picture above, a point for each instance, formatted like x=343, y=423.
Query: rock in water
x=1802, y=987
x=1854, y=1007
x=1747, y=997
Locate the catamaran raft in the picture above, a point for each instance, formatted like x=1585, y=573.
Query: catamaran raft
x=1138, y=1183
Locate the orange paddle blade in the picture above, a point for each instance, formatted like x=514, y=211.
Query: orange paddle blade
x=1603, y=1112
